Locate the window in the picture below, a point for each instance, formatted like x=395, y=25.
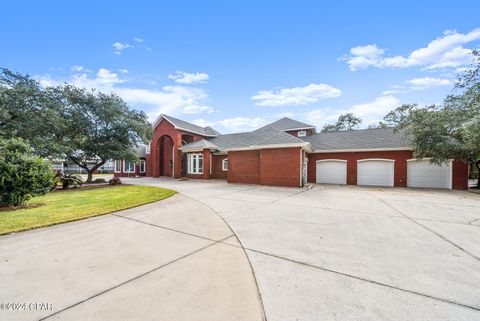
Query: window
x=302, y=133
x=195, y=163
x=128, y=166
x=147, y=149
x=142, y=166
x=225, y=164
x=117, y=168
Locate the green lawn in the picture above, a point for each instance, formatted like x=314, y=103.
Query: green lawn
x=73, y=205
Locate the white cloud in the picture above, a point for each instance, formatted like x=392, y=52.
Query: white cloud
x=138, y=40
x=242, y=123
x=443, y=52
x=189, y=78
x=78, y=68
x=167, y=99
x=120, y=47
x=369, y=112
x=428, y=82
x=203, y=122
x=296, y=95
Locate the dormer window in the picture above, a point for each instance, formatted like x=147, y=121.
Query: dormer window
x=302, y=133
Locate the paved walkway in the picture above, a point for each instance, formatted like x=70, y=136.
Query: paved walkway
x=171, y=260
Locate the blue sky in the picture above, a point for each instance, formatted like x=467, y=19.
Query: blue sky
x=238, y=65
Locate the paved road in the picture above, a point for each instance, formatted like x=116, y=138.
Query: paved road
x=354, y=253
x=329, y=253
x=171, y=260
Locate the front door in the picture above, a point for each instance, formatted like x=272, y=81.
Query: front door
x=184, y=165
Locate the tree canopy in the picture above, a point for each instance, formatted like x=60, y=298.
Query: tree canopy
x=448, y=131
x=83, y=126
x=344, y=122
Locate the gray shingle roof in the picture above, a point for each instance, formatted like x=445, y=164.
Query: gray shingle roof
x=263, y=137
x=199, y=145
x=189, y=127
x=358, y=139
x=224, y=140
x=286, y=123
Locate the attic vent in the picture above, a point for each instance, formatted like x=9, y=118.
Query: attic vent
x=302, y=133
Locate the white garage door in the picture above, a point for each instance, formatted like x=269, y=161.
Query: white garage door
x=332, y=171
x=376, y=172
x=422, y=173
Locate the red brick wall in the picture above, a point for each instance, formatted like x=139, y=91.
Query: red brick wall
x=459, y=172
x=244, y=167
x=217, y=171
x=280, y=167
x=460, y=175
x=400, y=169
x=164, y=128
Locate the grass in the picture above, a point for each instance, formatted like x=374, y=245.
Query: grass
x=65, y=206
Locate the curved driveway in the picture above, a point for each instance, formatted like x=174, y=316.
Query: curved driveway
x=329, y=253
x=170, y=260
x=354, y=253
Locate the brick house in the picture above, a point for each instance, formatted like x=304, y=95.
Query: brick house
x=289, y=153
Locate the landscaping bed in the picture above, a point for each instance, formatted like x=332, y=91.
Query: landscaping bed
x=75, y=204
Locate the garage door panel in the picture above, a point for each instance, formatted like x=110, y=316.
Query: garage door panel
x=332, y=172
x=375, y=172
x=422, y=173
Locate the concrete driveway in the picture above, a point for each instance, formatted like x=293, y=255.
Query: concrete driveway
x=354, y=253
x=329, y=253
x=171, y=260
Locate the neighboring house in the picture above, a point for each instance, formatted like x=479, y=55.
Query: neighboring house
x=72, y=168
x=289, y=153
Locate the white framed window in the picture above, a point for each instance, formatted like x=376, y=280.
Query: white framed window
x=225, y=164
x=195, y=163
x=117, y=166
x=142, y=166
x=128, y=166
x=302, y=133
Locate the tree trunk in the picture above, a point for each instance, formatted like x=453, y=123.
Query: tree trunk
x=477, y=163
x=93, y=169
x=89, y=175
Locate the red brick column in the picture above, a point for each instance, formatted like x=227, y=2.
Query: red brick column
x=207, y=158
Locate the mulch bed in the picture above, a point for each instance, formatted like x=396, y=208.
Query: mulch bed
x=21, y=207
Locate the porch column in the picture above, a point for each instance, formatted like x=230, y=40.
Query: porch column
x=207, y=163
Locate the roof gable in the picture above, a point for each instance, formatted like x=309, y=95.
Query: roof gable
x=288, y=124
x=186, y=126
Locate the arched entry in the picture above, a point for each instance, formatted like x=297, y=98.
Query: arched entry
x=165, y=157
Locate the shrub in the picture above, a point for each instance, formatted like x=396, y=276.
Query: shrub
x=22, y=175
x=67, y=179
x=115, y=181
x=99, y=181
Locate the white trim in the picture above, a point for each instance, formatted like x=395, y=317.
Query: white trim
x=159, y=120
x=144, y=162
x=125, y=169
x=211, y=161
x=331, y=160
x=424, y=158
x=300, y=128
x=304, y=133
x=190, y=158
x=115, y=166
x=223, y=164
x=255, y=147
x=360, y=150
x=451, y=175
x=375, y=159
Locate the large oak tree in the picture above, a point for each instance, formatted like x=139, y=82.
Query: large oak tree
x=83, y=126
